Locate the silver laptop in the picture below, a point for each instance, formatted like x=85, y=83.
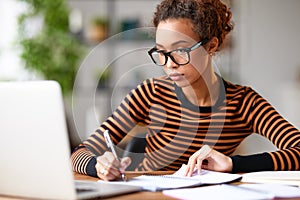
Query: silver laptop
x=35, y=151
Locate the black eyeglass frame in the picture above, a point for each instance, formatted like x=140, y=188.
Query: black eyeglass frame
x=168, y=54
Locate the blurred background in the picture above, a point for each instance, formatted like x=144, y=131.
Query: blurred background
x=101, y=46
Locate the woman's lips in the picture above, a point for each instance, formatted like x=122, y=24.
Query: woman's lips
x=176, y=76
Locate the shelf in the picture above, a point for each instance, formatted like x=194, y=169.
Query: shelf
x=125, y=52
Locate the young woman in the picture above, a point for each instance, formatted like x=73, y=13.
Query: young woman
x=191, y=106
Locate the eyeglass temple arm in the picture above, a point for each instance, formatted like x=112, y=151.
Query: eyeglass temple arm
x=201, y=43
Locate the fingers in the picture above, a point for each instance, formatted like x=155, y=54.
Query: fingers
x=208, y=158
x=190, y=166
x=107, y=167
x=196, y=160
x=202, y=154
x=125, y=162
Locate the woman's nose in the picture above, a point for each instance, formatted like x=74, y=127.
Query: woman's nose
x=171, y=64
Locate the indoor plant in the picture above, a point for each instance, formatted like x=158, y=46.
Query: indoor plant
x=53, y=52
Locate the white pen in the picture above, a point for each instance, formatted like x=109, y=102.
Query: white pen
x=110, y=145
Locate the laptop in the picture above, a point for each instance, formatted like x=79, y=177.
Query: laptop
x=35, y=149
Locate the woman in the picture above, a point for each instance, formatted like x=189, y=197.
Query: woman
x=191, y=106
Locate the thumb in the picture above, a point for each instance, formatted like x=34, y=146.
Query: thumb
x=125, y=162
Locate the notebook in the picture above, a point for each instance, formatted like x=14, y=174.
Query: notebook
x=178, y=180
x=35, y=151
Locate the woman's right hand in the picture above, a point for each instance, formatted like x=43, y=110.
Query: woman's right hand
x=109, y=168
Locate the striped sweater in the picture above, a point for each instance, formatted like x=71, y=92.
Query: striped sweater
x=177, y=128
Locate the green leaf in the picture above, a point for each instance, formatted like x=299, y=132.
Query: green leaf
x=53, y=52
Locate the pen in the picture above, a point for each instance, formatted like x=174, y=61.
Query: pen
x=110, y=145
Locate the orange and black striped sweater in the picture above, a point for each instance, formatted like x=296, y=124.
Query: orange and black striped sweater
x=178, y=128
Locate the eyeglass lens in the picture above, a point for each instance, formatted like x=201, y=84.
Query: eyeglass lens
x=180, y=57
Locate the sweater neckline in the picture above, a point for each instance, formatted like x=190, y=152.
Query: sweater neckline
x=187, y=104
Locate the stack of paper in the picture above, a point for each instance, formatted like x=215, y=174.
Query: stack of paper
x=218, y=192
x=236, y=192
x=178, y=180
x=280, y=177
x=278, y=190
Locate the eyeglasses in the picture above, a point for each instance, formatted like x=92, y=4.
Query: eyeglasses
x=179, y=56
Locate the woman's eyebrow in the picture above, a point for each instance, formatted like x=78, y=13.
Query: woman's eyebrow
x=174, y=44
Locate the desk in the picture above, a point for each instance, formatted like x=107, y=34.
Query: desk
x=133, y=196
x=148, y=195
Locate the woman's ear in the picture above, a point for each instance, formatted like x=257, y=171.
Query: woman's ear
x=212, y=45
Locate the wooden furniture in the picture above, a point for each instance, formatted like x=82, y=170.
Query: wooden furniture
x=132, y=196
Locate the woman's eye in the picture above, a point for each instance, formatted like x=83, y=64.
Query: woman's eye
x=161, y=50
x=181, y=51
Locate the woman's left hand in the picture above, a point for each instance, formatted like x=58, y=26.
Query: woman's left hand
x=210, y=159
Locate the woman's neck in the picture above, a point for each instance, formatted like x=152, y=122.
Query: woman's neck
x=205, y=91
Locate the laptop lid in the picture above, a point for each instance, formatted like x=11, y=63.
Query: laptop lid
x=35, y=150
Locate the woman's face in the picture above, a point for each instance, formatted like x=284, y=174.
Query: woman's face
x=178, y=33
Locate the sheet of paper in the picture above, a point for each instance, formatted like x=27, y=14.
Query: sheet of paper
x=281, y=191
x=280, y=177
x=178, y=180
x=209, y=177
x=218, y=192
x=157, y=183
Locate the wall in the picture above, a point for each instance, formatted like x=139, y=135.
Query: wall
x=11, y=65
x=267, y=39
x=126, y=57
x=265, y=54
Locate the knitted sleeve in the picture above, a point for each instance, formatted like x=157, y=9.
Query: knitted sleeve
x=133, y=110
x=269, y=123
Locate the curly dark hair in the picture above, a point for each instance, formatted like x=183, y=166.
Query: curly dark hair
x=210, y=18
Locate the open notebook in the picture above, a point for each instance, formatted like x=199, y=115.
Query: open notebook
x=178, y=180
